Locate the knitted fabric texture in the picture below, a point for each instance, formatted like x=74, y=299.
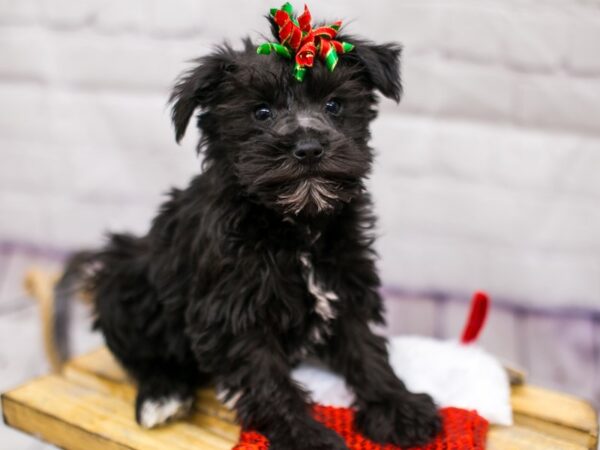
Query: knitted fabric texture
x=463, y=430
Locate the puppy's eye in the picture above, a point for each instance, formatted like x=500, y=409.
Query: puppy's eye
x=333, y=107
x=263, y=112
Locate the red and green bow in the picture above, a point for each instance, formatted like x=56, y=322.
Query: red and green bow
x=299, y=39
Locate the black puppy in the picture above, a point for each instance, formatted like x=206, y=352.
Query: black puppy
x=265, y=258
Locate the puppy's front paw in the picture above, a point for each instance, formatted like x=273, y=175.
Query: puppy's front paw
x=316, y=437
x=405, y=420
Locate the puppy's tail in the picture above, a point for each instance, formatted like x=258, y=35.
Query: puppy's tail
x=74, y=280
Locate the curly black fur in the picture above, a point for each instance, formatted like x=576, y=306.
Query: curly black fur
x=264, y=259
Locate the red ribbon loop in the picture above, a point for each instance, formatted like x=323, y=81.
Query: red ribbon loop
x=306, y=42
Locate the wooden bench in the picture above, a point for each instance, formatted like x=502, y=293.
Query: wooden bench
x=88, y=405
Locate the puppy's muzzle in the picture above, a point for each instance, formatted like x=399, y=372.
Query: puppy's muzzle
x=308, y=150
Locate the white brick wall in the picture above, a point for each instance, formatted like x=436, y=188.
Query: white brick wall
x=488, y=171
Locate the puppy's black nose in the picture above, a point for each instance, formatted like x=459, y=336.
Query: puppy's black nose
x=308, y=150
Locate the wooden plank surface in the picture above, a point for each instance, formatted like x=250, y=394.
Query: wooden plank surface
x=100, y=371
x=519, y=437
x=555, y=414
x=76, y=417
x=90, y=406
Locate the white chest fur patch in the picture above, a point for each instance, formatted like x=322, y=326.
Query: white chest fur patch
x=323, y=298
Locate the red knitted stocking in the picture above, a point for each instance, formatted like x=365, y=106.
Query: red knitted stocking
x=463, y=430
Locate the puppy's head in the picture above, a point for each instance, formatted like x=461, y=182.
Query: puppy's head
x=300, y=148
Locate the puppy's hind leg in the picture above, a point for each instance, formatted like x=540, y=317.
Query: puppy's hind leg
x=165, y=392
x=153, y=409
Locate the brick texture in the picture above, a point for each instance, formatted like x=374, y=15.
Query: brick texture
x=493, y=149
x=487, y=173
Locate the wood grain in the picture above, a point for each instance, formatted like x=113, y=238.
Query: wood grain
x=520, y=437
x=99, y=370
x=90, y=406
x=76, y=417
x=40, y=285
x=554, y=407
x=555, y=414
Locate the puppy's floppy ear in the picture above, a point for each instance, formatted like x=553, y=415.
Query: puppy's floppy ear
x=381, y=64
x=198, y=87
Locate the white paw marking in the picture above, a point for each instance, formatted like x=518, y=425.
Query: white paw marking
x=157, y=412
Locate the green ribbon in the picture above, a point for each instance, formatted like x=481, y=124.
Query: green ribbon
x=268, y=47
x=300, y=41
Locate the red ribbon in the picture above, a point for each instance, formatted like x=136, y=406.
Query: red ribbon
x=306, y=42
